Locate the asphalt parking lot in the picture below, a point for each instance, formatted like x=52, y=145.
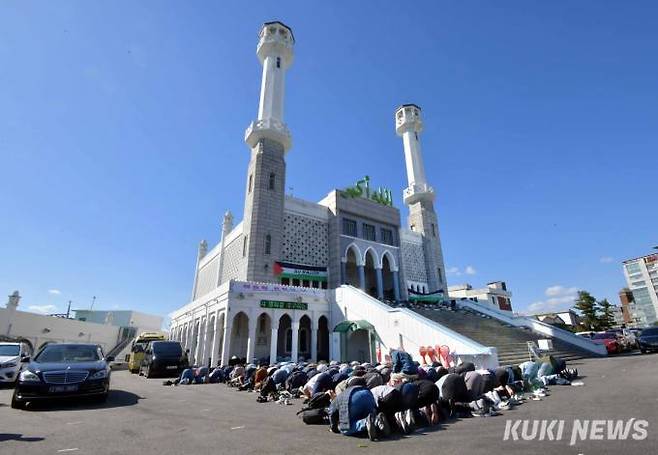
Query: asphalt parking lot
x=144, y=417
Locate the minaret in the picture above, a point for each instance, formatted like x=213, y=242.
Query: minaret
x=201, y=252
x=269, y=140
x=419, y=196
x=227, y=227
x=227, y=224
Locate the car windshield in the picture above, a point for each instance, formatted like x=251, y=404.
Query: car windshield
x=68, y=353
x=9, y=349
x=138, y=347
x=604, y=336
x=167, y=348
x=650, y=332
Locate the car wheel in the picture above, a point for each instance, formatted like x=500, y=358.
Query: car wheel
x=15, y=403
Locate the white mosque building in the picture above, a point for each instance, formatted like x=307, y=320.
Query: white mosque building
x=315, y=280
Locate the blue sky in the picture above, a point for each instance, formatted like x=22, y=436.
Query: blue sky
x=121, y=136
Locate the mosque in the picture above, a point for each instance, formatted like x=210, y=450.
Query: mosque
x=317, y=280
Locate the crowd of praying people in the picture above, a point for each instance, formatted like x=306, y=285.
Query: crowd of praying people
x=400, y=395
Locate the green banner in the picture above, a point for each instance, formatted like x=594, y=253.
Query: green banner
x=279, y=304
x=433, y=298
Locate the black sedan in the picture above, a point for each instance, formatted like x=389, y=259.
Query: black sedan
x=648, y=340
x=63, y=371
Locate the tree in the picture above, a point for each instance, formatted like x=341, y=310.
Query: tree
x=607, y=317
x=586, y=304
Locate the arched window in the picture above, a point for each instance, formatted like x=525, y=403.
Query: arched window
x=272, y=181
x=278, y=62
x=268, y=244
x=289, y=340
x=303, y=340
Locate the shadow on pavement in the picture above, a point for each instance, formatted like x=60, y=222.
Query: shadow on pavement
x=18, y=437
x=116, y=399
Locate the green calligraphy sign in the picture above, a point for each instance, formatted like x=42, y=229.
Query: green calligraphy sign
x=361, y=188
x=281, y=305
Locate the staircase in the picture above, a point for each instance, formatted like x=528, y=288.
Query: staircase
x=510, y=342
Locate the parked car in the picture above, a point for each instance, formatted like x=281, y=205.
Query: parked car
x=11, y=354
x=63, y=371
x=648, y=340
x=609, y=340
x=624, y=342
x=165, y=358
x=136, y=355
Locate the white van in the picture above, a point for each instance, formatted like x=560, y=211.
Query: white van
x=11, y=354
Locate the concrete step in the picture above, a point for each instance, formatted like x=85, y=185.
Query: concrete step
x=510, y=342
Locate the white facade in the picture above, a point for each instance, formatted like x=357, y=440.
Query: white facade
x=642, y=277
x=495, y=294
x=233, y=320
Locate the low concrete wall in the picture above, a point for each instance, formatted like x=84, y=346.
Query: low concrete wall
x=39, y=329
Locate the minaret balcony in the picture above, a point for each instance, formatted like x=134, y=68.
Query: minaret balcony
x=272, y=129
x=418, y=192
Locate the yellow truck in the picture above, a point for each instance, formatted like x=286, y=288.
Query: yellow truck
x=139, y=345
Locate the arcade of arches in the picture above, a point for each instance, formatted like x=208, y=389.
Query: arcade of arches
x=213, y=340
x=378, y=279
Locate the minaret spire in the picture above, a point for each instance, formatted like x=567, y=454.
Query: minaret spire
x=275, y=52
x=419, y=196
x=409, y=125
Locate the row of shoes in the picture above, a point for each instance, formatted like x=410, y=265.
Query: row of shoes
x=569, y=373
x=497, y=402
x=377, y=426
x=405, y=421
x=482, y=408
x=284, y=401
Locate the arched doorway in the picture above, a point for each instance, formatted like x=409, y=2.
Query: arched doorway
x=263, y=335
x=284, y=343
x=200, y=343
x=358, y=346
x=387, y=277
x=194, y=343
x=323, y=338
x=210, y=339
x=304, y=345
x=371, y=273
x=351, y=267
x=217, y=355
x=240, y=335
